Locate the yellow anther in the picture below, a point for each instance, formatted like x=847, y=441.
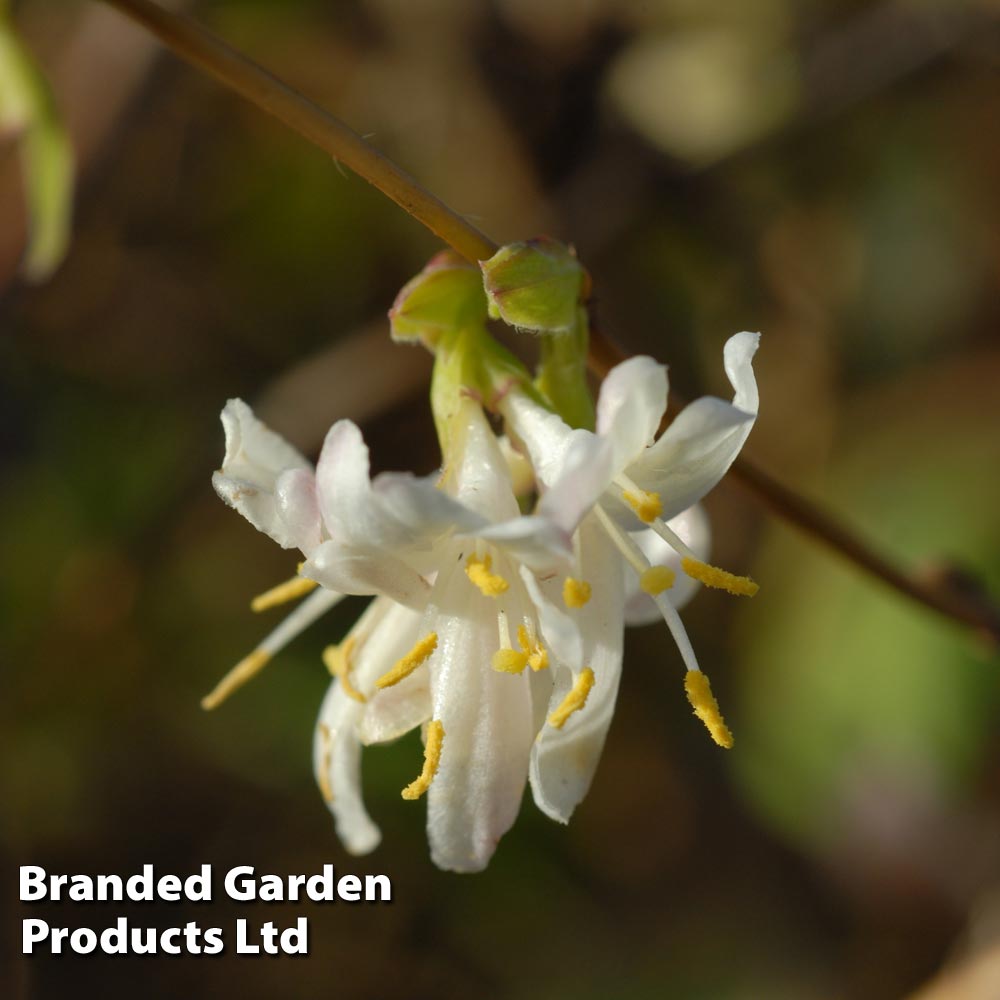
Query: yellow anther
x=576, y=593
x=712, y=576
x=699, y=693
x=539, y=658
x=647, y=506
x=537, y=655
x=323, y=778
x=410, y=662
x=338, y=662
x=575, y=700
x=478, y=571
x=432, y=757
x=657, y=579
x=247, y=668
x=290, y=590
x=509, y=661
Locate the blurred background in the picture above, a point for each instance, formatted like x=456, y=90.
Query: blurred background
x=823, y=171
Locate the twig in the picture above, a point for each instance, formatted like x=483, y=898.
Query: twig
x=187, y=39
x=193, y=43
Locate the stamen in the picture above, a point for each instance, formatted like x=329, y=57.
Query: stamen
x=404, y=667
x=699, y=693
x=712, y=576
x=576, y=593
x=312, y=608
x=657, y=579
x=432, y=758
x=539, y=658
x=575, y=700
x=323, y=779
x=632, y=553
x=338, y=662
x=647, y=506
x=290, y=590
x=246, y=669
x=509, y=661
x=478, y=571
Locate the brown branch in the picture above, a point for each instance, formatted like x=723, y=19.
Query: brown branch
x=205, y=51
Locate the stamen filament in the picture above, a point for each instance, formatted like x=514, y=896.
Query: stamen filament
x=404, y=667
x=312, y=608
x=632, y=553
x=432, y=758
x=575, y=700
x=699, y=692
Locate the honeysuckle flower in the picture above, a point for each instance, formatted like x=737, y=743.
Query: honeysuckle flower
x=453, y=642
x=612, y=488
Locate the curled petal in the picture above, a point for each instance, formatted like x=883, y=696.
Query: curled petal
x=693, y=527
x=255, y=457
x=337, y=765
x=630, y=406
x=696, y=450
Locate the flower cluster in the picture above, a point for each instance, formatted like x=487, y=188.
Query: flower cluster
x=498, y=633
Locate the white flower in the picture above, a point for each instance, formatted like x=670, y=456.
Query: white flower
x=453, y=641
x=620, y=490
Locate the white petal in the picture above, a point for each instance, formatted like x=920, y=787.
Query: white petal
x=255, y=457
x=564, y=760
x=488, y=732
x=693, y=527
x=418, y=506
x=365, y=570
x=344, y=487
x=699, y=446
x=337, y=765
x=253, y=451
x=532, y=540
x=586, y=471
x=393, y=712
x=297, y=508
x=630, y=406
x=545, y=435
x=479, y=477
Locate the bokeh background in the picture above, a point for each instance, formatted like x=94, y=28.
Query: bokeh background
x=824, y=171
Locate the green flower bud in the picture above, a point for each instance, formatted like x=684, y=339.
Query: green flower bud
x=535, y=286
x=447, y=295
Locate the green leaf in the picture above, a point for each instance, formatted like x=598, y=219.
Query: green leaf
x=28, y=110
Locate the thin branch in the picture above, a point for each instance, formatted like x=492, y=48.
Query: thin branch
x=187, y=39
x=203, y=50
